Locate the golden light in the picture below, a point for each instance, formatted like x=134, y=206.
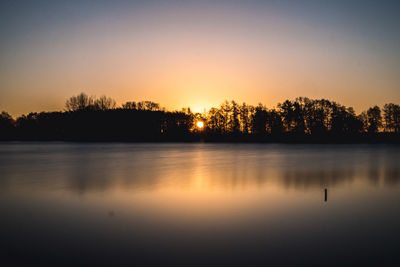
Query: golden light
x=200, y=124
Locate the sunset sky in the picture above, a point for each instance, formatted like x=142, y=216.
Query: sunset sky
x=198, y=53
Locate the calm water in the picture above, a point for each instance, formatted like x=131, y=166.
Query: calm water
x=199, y=204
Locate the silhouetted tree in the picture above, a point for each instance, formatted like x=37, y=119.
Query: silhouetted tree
x=316, y=115
x=215, y=121
x=392, y=117
x=234, y=118
x=293, y=116
x=88, y=118
x=148, y=105
x=274, y=123
x=245, y=119
x=286, y=112
x=225, y=111
x=6, y=126
x=344, y=121
x=104, y=103
x=374, y=119
x=79, y=102
x=259, y=120
x=129, y=105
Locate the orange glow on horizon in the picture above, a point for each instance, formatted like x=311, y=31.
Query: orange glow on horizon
x=195, y=55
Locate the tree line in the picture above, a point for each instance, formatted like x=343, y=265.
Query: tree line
x=87, y=118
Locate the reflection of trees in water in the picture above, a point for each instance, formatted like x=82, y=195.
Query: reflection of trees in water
x=150, y=170
x=384, y=168
x=101, y=173
x=82, y=168
x=304, y=178
x=318, y=168
x=337, y=166
x=237, y=169
x=392, y=175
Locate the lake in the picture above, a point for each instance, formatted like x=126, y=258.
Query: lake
x=78, y=204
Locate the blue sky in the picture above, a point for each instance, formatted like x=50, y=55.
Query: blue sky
x=198, y=53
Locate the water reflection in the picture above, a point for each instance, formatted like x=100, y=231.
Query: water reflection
x=80, y=168
x=199, y=204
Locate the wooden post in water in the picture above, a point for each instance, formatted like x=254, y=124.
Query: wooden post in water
x=326, y=194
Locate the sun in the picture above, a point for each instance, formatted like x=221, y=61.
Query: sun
x=200, y=124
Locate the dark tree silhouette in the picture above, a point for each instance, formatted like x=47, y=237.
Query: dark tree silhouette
x=374, y=119
x=104, y=103
x=316, y=115
x=234, y=118
x=274, y=123
x=245, y=119
x=129, y=105
x=344, y=121
x=6, y=126
x=215, y=121
x=302, y=120
x=259, y=120
x=79, y=102
x=392, y=117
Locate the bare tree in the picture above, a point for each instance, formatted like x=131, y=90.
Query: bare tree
x=104, y=103
x=79, y=102
x=129, y=105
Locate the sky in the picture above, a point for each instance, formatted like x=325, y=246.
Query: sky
x=198, y=53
